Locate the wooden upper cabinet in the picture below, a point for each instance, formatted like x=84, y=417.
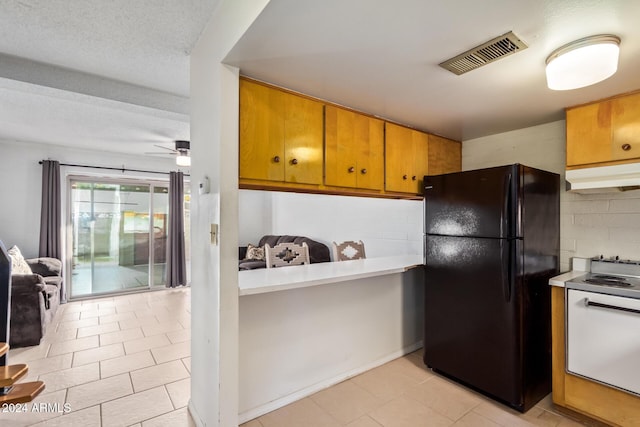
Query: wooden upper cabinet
x=280, y=135
x=604, y=132
x=445, y=155
x=261, y=132
x=354, y=149
x=589, y=134
x=406, y=159
x=625, y=123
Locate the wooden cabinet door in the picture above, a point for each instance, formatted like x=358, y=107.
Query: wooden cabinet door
x=303, y=130
x=421, y=157
x=340, y=148
x=369, y=138
x=261, y=132
x=354, y=149
x=625, y=122
x=445, y=155
x=399, y=162
x=589, y=134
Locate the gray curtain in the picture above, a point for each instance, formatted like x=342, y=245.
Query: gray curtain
x=176, y=265
x=50, y=215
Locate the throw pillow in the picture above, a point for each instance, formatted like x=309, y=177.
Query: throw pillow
x=255, y=252
x=18, y=264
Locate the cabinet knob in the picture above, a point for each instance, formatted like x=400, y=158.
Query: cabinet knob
x=276, y=159
x=294, y=161
x=405, y=177
x=626, y=147
x=363, y=171
x=351, y=169
x=413, y=178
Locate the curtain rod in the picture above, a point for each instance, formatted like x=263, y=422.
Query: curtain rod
x=122, y=169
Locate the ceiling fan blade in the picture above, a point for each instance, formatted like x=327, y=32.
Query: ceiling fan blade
x=165, y=148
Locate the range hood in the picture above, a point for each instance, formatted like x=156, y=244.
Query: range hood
x=604, y=179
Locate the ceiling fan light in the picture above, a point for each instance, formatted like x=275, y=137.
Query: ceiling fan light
x=183, y=160
x=583, y=62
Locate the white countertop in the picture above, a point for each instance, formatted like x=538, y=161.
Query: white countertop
x=564, y=277
x=264, y=280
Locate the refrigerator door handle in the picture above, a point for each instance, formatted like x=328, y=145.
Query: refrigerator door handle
x=505, y=215
x=505, y=249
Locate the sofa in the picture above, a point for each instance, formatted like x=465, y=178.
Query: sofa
x=318, y=252
x=35, y=297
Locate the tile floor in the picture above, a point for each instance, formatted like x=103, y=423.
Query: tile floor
x=125, y=361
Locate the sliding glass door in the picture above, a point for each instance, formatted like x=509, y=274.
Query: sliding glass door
x=119, y=235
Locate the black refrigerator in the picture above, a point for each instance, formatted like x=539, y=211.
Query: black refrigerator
x=492, y=239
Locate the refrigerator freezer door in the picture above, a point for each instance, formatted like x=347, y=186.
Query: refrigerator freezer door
x=479, y=203
x=471, y=314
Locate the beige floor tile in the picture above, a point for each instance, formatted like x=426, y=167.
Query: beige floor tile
x=116, y=317
x=540, y=417
x=100, y=391
x=252, y=423
x=161, y=328
x=71, y=377
x=179, y=392
x=153, y=376
x=304, y=412
x=473, y=419
x=67, y=317
x=179, y=336
x=87, y=331
x=136, y=408
x=121, y=336
x=97, y=313
x=385, y=382
x=187, y=363
x=444, y=397
x=97, y=354
x=179, y=418
x=64, y=335
x=132, y=307
x=43, y=407
x=126, y=363
x=89, y=417
x=365, y=421
x=146, y=343
x=501, y=415
x=411, y=367
x=50, y=364
x=136, y=323
x=78, y=323
x=172, y=352
x=346, y=401
x=27, y=354
x=71, y=346
x=403, y=412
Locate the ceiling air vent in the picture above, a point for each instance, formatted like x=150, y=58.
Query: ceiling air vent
x=484, y=54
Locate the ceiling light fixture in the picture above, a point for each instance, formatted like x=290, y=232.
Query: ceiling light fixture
x=583, y=62
x=183, y=160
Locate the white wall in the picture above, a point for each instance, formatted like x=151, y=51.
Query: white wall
x=590, y=224
x=386, y=226
x=21, y=183
x=214, y=291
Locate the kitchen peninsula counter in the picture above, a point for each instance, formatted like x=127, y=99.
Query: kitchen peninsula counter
x=304, y=328
x=265, y=280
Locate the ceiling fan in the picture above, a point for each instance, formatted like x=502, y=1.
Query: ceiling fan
x=181, y=151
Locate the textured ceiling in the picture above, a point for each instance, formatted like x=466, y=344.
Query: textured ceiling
x=382, y=57
x=114, y=74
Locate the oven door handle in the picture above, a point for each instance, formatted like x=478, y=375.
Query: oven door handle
x=588, y=303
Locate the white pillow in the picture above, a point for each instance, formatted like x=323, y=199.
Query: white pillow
x=18, y=264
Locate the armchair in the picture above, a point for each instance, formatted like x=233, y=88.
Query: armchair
x=34, y=299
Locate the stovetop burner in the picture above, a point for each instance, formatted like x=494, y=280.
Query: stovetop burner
x=607, y=281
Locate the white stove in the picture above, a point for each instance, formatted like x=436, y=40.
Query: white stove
x=611, y=276
x=603, y=324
